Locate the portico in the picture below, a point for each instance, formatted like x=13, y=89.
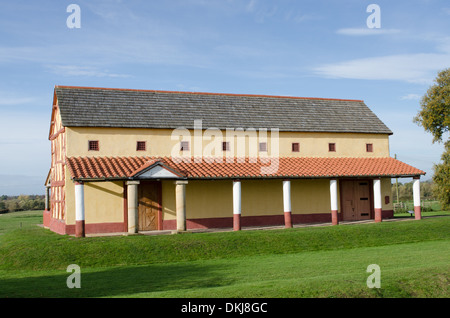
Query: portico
x=279, y=200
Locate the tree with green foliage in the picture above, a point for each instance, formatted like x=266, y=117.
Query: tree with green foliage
x=442, y=178
x=434, y=117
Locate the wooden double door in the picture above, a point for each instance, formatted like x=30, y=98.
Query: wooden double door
x=150, y=208
x=356, y=200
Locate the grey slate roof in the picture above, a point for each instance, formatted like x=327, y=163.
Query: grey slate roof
x=97, y=107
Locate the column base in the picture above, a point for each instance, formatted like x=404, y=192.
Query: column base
x=378, y=215
x=334, y=217
x=80, y=229
x=287, y=219
x=236, y=222
x=132, y=231
x=417, y=213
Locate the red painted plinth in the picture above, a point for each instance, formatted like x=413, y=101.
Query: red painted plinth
x=79, y=229
x=334, y=217
x=378, y=215
x=236, y=222
x=417, y=213
x=287, y=220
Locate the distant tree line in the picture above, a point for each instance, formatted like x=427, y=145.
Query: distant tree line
x=21, y=203
x=405, y=191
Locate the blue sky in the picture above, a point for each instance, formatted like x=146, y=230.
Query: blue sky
x=294, y=48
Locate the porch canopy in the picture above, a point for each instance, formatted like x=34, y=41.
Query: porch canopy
x=133, y=169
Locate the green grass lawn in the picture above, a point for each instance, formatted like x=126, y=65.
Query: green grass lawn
x=329, y=261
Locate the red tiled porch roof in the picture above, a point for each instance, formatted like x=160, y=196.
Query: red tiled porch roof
x=98, y=168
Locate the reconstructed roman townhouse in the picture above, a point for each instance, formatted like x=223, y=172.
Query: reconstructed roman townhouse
x=131, y=161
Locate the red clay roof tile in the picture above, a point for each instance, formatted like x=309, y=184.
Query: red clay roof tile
x=126, y=167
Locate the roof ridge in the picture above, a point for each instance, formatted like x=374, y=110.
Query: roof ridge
x=206, y=93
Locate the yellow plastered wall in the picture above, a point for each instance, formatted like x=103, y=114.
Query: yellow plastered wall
x=311, y=196
x=160, y=142
x=386, y=191
x=103, y=202
x=347, y=145
x=205, y=199
x=168, y=200
x=261, y=197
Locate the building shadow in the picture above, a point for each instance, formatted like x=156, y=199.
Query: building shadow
x=117, y=281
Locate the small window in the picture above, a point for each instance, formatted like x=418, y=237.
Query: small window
x=93, y=145
x=184, y=146
x=263, y=146
x=386, y=199
x=141, y=146
x=226, y=146
x=331, y=147
x=295, y=147
x=369, y=147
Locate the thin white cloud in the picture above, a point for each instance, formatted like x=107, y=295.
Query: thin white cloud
x=411, y=97
x=444, y=44
x=366, y=31
x=412, y=68
x=86, y=71
x=15, y=100
x=251, y=6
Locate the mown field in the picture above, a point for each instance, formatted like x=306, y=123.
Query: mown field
x=328, y=261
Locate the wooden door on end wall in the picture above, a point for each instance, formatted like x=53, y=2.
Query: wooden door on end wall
x=149, y=205
x=356, y=200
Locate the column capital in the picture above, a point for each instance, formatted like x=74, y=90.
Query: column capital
x=78, y=182
x=133, y=182
x=181, y=182
x=416, y=177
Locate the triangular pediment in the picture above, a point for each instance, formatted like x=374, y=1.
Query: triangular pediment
x=157, y=170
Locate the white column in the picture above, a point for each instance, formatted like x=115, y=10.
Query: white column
x=377, y=199
x=287, y=203
x=180, y=199
x=236, y=205
x=416, y=197
x=79, y=210
x=132, y=201
x=334, y=202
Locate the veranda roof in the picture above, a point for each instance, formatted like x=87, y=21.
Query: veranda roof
x=128, y=168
